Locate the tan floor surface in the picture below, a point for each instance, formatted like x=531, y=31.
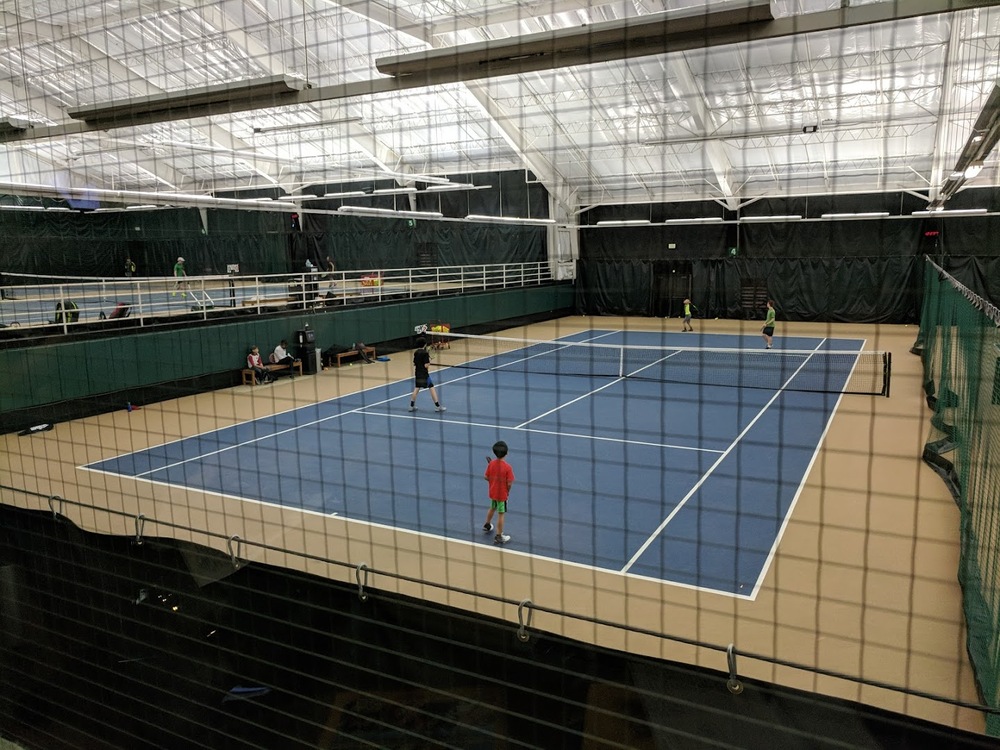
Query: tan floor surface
x=863, y=583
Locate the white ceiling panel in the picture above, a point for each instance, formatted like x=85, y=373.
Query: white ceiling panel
x=872, y=107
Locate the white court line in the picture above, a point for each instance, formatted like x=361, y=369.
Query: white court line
x=616, y=381
x=519, y=428
x=713, y=467
x=802, y=484
x=596, y=390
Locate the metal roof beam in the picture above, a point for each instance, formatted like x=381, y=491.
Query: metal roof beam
x=481, y=61
x=649, y=35
x=684, y=86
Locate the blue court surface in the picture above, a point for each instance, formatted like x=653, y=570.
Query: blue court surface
x=684, y=482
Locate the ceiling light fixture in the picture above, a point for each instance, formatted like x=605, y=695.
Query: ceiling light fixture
x=700, y=220
x=623, y=223
x=482, y=218
x=761, y=219
x=346, y=194
x=972, y=171
x=389, y=213
x=952, y=212
x=394, y=191
x=306, y=125
x=863, y=215
x=454, y=186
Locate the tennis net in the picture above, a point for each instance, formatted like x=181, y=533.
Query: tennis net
x=820, y=371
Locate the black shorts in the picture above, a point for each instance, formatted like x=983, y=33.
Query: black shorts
x=423, y=381
x=767, y=330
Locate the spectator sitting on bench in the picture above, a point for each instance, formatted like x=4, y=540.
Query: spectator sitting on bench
x=255, y=363
x=280, y=355
x=360, y=349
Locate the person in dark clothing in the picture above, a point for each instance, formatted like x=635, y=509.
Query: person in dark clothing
x=421, y=376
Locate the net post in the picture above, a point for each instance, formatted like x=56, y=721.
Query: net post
x=886, y=373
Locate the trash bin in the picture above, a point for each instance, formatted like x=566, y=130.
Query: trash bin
x=307, y=351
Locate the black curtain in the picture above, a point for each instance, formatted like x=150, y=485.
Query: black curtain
x=981, y=275
x=616, y=287
x=829, y=239
x=360, y=242
x=858, y=290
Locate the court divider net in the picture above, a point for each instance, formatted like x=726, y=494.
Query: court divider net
x=960, y=347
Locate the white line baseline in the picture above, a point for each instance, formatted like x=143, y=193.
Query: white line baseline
x=713, y=467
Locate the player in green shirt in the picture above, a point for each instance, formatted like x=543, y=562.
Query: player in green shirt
x=180, y=274
x=687, y=317
x=768, y=330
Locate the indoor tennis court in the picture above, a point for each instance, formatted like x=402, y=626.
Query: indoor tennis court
x=223, y=528
x=645, y=471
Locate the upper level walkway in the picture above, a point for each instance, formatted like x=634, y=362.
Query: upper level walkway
x=62, y=305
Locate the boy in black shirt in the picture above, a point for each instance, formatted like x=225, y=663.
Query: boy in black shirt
x=421, y=377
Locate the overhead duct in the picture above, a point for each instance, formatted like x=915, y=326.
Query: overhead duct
x=222, y=98
x=614, y=40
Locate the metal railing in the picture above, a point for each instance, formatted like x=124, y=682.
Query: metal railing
x=63, y=304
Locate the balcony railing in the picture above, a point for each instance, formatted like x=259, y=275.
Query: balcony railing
x=64, y=304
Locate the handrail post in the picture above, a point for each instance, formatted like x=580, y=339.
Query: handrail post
x=138, y=296
x=62, y=306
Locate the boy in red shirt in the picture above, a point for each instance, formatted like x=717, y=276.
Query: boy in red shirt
x=501, y=477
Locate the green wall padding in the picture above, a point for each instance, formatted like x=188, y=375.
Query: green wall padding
x=46, y=374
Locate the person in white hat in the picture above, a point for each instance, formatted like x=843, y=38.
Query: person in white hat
x=180, y=274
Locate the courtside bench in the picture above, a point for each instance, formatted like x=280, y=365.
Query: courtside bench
x=295, y=367
x=352, y=353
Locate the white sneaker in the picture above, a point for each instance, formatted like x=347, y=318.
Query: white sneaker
x=412, y=408
x=440, y=408
x=501, y=538
x=487, y=528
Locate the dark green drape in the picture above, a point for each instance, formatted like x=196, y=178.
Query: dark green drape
x=356, y=242
x=616, y=287
x=861, y=290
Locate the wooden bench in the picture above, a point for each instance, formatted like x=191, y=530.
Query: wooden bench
x=352, y=353
x=248, y=374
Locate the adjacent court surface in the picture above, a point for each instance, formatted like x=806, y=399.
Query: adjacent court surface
x=689, y=476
